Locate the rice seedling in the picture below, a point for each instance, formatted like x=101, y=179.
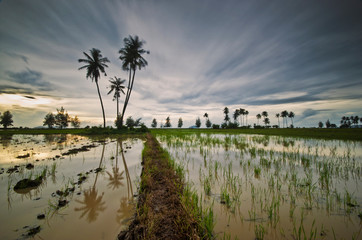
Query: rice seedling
x=259, y=231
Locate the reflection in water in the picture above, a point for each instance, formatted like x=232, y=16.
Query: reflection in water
x=93, y=203
x=129, y=182
x=5, y=140
x=124, y=211
x=115, y=179
x=105, y=200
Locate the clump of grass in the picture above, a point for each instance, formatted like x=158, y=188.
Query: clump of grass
x=257, y=172
x=225, y=197
x=259, y=231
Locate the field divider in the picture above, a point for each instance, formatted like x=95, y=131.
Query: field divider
x=167, y=208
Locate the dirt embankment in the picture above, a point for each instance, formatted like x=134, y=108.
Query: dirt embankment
x=160, y=212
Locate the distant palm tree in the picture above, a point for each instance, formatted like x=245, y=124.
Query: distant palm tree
x=95, y=64
x=266, y=121
x=246, y=114
x=236, y=114
x=258, y=116
x=117, y=87
x=291, y=116
x=265, y=114
x=277, y=116
x=131, y=57
x=284, y=114
x=226, y=112
x=242, y=113
x=207, y=123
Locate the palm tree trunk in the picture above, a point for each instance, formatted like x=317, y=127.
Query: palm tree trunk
x=117, y=108
x=129, y=90
x=100, y=99
x=125, y=101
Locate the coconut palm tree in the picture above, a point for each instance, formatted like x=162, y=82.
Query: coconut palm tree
x=277, y=116
x=236, y=114
x=284, y=114
x=265, y=115
x=242, y=113
x=226, y=112
x=117, y=87
x=291, y=116
x=95, y=64
x=258, y=116
x=246, y=114
x=131, y=57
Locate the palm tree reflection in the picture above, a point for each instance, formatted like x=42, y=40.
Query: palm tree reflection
x=129, y=182
x=126, y=207
x=125, y=210
x=115, y=178
x=93, y=203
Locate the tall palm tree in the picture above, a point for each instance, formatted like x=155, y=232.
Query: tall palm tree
x=277, y=116
x=291, y=115
x=246, y=114
x=117, y=87
x=284, y=114
x=236, y=114
x=226, y=112
x=95, y=64
x=258, y=116
x=131, y=57
x=265, y=114
x=242, y=113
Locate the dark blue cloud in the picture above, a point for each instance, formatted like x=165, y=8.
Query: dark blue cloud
x=27, y=76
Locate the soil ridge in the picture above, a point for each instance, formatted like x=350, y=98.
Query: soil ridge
x=160, y=212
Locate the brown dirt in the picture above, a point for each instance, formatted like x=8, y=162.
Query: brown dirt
x=160, y=212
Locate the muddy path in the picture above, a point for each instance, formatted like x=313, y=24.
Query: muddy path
x=161, y=213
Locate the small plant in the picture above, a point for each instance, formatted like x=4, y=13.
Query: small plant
x=259, y=231
x=257, y=171
x=225, y=197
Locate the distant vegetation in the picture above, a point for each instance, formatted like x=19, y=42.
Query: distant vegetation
x=61, y=119
x=6, y=119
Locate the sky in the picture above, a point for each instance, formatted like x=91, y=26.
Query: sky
x=300, y=56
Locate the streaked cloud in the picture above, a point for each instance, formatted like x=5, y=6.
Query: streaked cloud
x=260, y=55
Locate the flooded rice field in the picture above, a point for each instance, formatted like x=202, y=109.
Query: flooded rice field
x=67, y=186
x=271, y=187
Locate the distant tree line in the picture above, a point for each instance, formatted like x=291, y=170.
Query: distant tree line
x=346, y=122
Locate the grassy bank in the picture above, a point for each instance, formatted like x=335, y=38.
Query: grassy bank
x=354, y=134
x=166, y=209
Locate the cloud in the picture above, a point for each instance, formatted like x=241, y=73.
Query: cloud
x=17, y=56
x=309, y=113
x=204, y=55
x=30, y=77
x=27, y=76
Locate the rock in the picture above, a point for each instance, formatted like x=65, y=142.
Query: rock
x=29, y=166
x=33, y=231
x=27, y=184
x=62, y=203
x=59, y=193
x=40, y=216
x=24, y=156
